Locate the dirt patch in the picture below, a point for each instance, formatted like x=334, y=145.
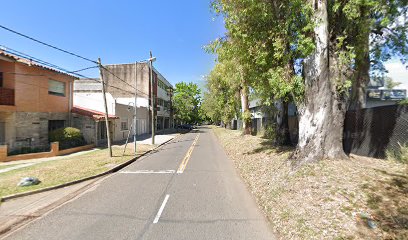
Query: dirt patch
x=361, y=198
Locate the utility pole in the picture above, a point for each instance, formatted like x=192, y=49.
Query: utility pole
x=106, y=107
x=152, y=95
x=135, y=117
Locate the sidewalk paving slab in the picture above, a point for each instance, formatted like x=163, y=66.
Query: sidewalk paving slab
x=16, y=211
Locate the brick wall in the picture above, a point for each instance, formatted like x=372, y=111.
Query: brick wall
x=6, y=96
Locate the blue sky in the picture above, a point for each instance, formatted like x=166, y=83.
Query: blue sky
x=124, y=31
x=118, y=32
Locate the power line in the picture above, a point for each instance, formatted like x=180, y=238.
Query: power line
x=46, y=44
x=62, y=50
x=42, y=62
x=80, y=70
x=25, y=55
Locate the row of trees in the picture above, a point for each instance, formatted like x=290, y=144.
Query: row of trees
x=317, y=53
x=187, y=103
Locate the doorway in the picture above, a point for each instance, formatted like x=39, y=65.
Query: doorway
x=2, y=133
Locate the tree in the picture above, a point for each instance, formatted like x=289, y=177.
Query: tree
x=312, y=52
x=221, y=101
x=262, y=42
x=187, y=103
x=375, y=30
x=390, y=83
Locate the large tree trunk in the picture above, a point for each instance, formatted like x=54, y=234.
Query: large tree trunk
x=362, y=70
x=322, y=113
x=245, y=110
x=283, y=134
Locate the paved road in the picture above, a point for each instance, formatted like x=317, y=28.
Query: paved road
x=150, y=200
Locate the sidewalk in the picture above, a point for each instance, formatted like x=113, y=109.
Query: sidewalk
x=146, y=139
x=160, y=138
x=17, y=212
x=14, y=212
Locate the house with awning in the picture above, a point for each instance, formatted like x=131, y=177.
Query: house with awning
x=89, y=113
x=92, y=124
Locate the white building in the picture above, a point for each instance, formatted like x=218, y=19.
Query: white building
x=89, y=106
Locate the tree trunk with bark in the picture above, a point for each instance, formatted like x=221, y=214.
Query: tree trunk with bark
x=245, y=110
x=283, y=134
x=362, y=70
x=322, y=113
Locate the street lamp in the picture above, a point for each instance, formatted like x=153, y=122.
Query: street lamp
x=150, y=60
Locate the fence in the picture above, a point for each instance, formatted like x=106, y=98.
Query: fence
x=367, y=132
x=55, y=151
x=371, y=132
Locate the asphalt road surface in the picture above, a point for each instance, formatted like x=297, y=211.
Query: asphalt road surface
x=187, y=189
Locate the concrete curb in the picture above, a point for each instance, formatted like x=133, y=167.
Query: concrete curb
x=113, y=170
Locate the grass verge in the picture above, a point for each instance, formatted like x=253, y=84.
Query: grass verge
x=65, y=170
x=362, y=198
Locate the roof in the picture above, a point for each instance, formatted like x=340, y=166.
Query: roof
x=31, y=62
x=96, y=115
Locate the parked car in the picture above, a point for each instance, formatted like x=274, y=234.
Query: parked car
x=185, y=126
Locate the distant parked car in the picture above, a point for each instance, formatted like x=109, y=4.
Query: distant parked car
x=185, y=126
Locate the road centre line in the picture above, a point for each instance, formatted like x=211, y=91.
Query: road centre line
x=149, y=172
x=183, y=164
x=156, y=219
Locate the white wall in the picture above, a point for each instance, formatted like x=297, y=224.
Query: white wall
x=141, y=102
x=94, y=101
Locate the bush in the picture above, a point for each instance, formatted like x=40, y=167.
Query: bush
x=67, y=137
x=269, y=132
x=404, y=102
x=400, y=155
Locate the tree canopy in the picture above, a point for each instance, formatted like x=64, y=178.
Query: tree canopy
x=187, y=103
x=311, y=52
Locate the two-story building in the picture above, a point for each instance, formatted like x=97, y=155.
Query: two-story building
x=34, y=100
x=121, y=84
x=89, y=112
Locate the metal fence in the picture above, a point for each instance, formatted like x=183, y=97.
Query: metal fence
x=367, y=132
x=371, y=132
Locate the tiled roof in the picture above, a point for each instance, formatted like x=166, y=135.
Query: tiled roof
x=30, y=62
x=91, y=113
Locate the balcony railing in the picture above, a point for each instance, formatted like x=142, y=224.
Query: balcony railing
x=387, y=94
x=7, y=96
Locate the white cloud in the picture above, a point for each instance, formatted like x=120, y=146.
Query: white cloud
x=398, y=72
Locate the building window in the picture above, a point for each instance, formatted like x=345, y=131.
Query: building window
x=124, y=126
x=56, y=88
x=1, y=79
x=55, y=124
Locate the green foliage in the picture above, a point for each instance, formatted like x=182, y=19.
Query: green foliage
x=267, y=41
x=404, y=102
x=270, y=131
x=67, y=137
x=390, y=83
x=221, y=101
x=399, y=155
x=187, y=103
